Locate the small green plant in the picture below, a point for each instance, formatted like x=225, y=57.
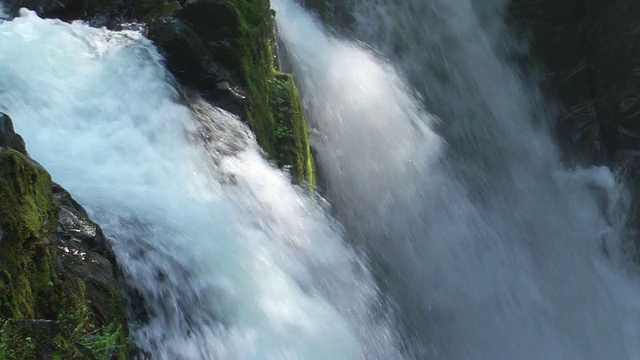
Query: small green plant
x=14, y=345
x=74, y=333
x=76, y=329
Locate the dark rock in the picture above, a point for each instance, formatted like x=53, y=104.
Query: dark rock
x=223, y=49
x=109, y=13
x=193, y=62
x=8, y=137
x=198, y=50
x=615, y=58
x=76, y=227
x=43, y=331
x=590, y=55
x=579, y=130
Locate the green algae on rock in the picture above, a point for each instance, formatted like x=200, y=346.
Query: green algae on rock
x=224, y=49
x=292, y=135
x=58, y=296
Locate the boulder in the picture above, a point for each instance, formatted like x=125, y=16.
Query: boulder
x=8, y=137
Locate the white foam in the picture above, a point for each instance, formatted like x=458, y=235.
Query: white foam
x=247, y=269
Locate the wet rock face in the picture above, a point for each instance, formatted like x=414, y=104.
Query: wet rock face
x=558, y=42
x=615, y=57
x=75, y=226
x=590, y=56
x=203, y=42
x=195, y=61
x=223, y=49
x=57, y=270
x=8, y=137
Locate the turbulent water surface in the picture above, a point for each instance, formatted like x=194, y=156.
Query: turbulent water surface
x=222, y=256
x=438, y=159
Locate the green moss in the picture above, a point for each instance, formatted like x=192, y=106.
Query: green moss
x=239, y=36
x=33, y=285
x=59, y=341
x=26, y=215
x=292, y=135
x=266, y=115
x=15, y=344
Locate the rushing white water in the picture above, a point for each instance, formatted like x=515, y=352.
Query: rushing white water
x=223, y=257
x=492, y=249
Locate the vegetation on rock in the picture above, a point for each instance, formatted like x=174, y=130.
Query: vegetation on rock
x=292, y=135
x=58, y=295
x=225, y=50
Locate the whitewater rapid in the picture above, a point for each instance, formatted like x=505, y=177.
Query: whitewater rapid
x=438, y=157
x=221, y=256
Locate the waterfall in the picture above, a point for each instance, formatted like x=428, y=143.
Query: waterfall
x=438, y=157
x=222, y=257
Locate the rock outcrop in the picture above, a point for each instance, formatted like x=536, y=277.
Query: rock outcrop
x=590, y=56
x=59, y=297
x=223, y=49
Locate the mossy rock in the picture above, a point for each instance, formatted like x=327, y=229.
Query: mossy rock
x=8, y=137
x=26, y=216
x=56, y=270
x=292, y=135
x=235, y=37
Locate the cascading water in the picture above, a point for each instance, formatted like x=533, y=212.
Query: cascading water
x=490, y=247
x=224, y=258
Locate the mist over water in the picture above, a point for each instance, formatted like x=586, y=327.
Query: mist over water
x=438, y=158
x=221, y=255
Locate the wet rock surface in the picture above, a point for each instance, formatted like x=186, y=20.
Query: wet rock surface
x=223, y=49
x=8, y=137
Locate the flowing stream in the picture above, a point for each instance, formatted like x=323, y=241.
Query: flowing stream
x=467, y=237
x=438, y=158
x=222, y=256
